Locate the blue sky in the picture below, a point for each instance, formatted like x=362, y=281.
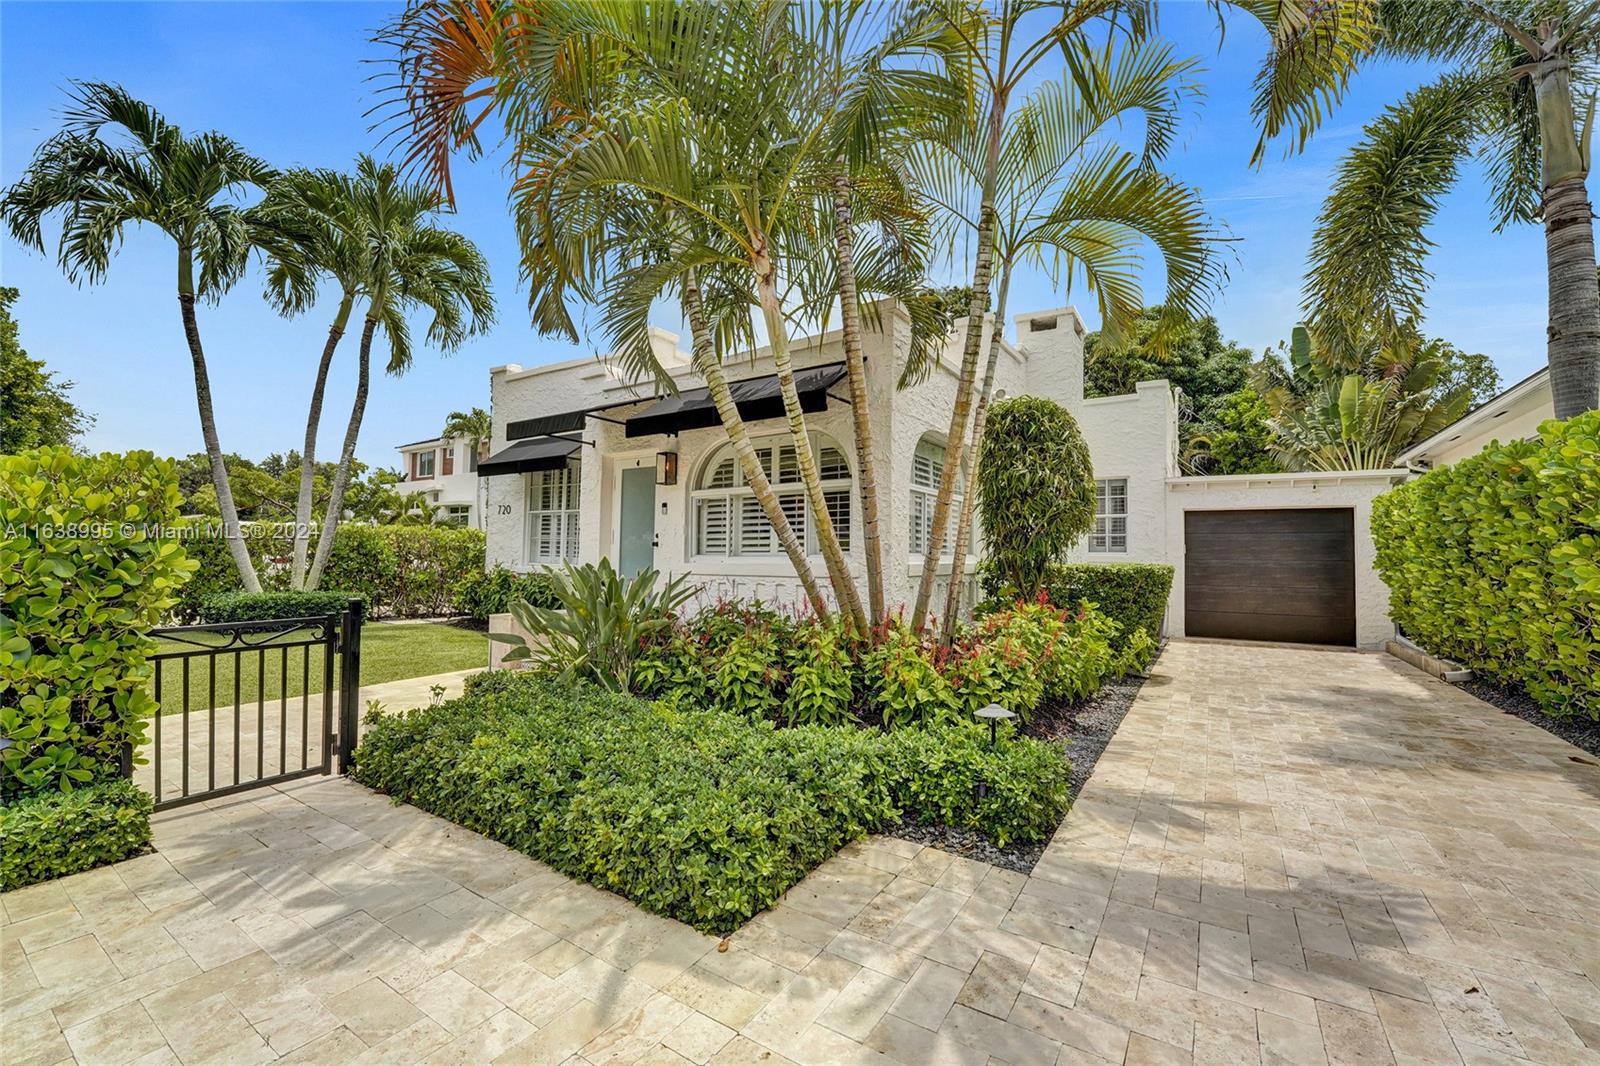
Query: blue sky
x=289, y=80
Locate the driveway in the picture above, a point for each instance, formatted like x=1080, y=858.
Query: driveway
x=1284, y=856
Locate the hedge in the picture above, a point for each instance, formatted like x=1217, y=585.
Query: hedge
x=696, y=814
x=257, y=606
x=1495, y=561
x=491, y=593
x=401, y=571
x=83, y=578
x=1134, y=595
x=54, y=834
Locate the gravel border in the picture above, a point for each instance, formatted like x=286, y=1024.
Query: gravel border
x=1575, y=729
x=1084, y=729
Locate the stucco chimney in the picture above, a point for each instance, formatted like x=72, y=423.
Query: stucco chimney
x=1052, y=341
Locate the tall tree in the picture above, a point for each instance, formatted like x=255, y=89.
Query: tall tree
x=1515, y=69
x=35, y=410
x=1068, y=197
x=400, y=263
x=117, y=162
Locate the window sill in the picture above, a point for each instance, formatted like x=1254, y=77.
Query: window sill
x=945, y=565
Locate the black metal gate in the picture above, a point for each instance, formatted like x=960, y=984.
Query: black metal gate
x=275, y=718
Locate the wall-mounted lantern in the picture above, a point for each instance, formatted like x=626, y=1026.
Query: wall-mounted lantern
x=666, y=468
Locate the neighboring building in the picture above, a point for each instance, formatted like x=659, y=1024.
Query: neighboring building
x=1515, y=414
x=444, y=473
x=585, y=463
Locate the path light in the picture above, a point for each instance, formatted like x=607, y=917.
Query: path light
x=995, y=715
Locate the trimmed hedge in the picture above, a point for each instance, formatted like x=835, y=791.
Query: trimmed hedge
x=83, y=579
x=399, y=571
x=1495, y=561
x=259, y=606
x=489, y=593
x=696, y=814
x=1134, y=595
x=54, y=834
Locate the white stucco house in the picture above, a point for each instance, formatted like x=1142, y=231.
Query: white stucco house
x=585, y=463
x=1514, y=414
x=444, y=473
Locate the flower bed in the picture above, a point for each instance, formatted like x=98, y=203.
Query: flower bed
x=699, y=814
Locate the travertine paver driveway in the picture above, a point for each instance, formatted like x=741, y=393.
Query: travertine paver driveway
x=1284, y=856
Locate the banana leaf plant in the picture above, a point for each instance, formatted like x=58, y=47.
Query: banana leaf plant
x=604, y=620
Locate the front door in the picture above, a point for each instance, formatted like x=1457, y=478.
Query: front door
x=637, y=547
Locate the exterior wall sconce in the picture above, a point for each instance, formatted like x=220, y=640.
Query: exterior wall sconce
x=666, y=468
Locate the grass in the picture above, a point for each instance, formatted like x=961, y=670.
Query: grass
x=388, y=653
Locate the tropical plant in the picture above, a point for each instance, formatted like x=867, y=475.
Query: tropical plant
x=603, y=622
x=1514, y=70
x=37, y=412
x=117, y=162
x=1037, y=488
x=819, y=668
x=902, y=682
x=1048, y=183
x=1328, y=416
x=1194, y=357
x=1230, y=435
x=373, y=233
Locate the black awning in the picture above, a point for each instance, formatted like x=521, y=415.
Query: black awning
x=756, y=398
x=545, y=425
x=545, y=453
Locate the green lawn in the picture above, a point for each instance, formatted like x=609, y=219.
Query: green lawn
x=388, y=653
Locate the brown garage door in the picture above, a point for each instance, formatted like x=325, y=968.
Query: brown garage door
x=1271, y=575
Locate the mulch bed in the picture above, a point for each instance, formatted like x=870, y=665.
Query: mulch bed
x=1575, y=729
x=1084, y=728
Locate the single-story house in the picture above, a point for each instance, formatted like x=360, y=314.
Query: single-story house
x=444, y=473
x=586, y=463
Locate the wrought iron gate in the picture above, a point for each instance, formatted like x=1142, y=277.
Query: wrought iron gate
x=275, y=717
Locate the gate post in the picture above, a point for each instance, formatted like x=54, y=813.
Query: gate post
x=350, y=680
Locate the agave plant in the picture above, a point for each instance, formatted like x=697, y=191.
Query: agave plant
x=604, y=620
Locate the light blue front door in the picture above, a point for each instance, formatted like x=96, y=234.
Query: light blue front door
x=637, y=550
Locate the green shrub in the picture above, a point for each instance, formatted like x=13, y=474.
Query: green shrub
x=934, y=775
x=819, y=667
x=1035, y=489
x=902, y=683
x=1495, y=561
x=1029, y=652
x=482, y=594
x=364, y=563
x=700, y=815
x=215, y=573
x=1134, y=595
x=258, y=606
x=430, y=561
x=83, y=578
x=697, y=815
x=54, y=834
x=748, y=675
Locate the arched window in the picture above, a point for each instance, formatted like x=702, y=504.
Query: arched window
x=553, y=515
x=927, y=467
x=726, y=519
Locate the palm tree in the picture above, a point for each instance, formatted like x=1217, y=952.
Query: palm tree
x=149, y=173
x=1515, y=68
x=400, y=263
x=476, y=428
x=1313, y=47
x=1070, y=199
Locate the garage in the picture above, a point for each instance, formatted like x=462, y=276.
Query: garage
x=1281, y=575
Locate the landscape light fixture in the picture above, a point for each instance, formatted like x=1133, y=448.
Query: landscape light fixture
x=995, y=715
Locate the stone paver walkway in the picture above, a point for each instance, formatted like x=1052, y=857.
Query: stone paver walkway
x=1285, y=856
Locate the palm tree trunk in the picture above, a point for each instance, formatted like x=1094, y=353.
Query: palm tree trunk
x=866, y=466
x=707, y=366
x=231, y=530
x=844, y=586
x=1574, y=323
x=982, y=269
x=302, y=508
x=341, y=476
x=969, y=464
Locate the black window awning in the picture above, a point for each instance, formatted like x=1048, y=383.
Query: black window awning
x=543, y=453
x=547, y=425
x=756, y=398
